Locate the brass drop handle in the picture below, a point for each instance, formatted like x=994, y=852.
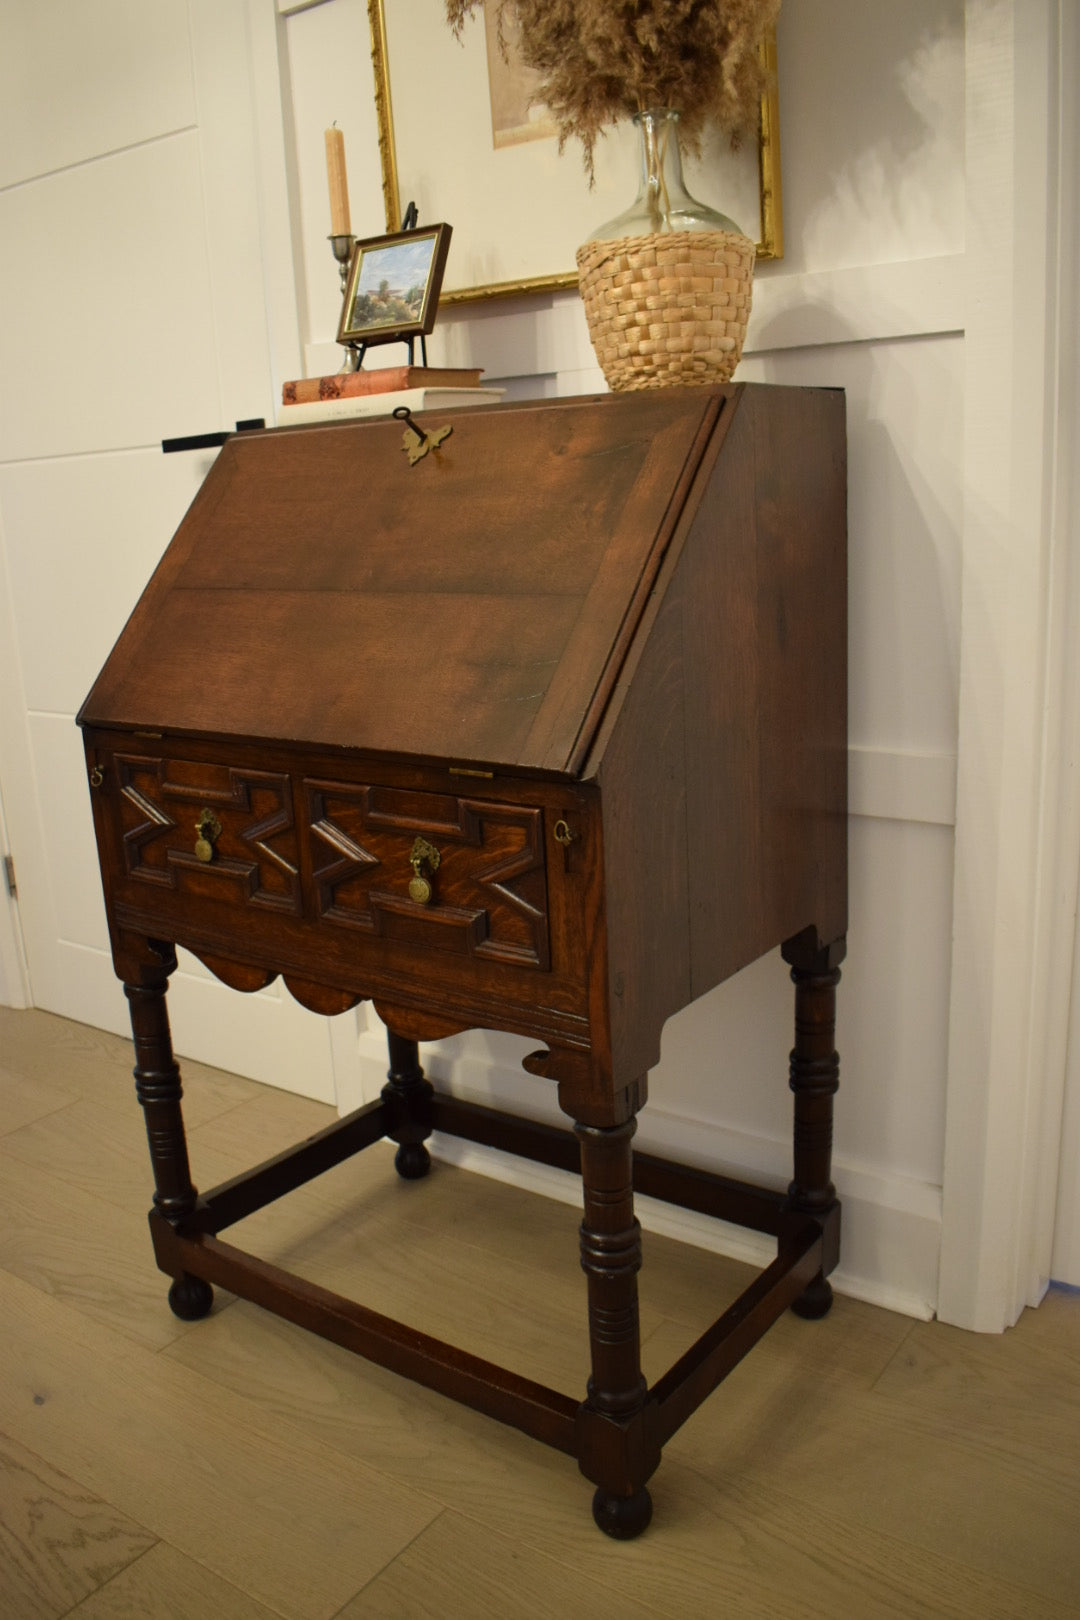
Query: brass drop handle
x=425, y=861
x=208, y=828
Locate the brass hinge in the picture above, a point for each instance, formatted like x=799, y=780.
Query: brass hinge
x=9, y=875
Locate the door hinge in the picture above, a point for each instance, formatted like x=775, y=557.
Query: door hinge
x=9, y=876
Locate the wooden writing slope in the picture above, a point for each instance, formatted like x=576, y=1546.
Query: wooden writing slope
x=544, y=733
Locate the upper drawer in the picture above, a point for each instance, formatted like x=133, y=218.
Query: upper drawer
x=208, y=831
x=439, y=871
x=434, y=869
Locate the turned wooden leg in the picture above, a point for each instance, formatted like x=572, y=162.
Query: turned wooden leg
x=615, y=1450
x=157, y=1086
x=814, y=1079
x=408, y=1097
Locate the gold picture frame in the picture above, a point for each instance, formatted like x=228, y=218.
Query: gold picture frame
x=412, y=78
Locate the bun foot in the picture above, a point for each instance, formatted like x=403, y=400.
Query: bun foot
x=412, y=1161
x=815, y=1302
x=622, y=1517
x=190, y=1298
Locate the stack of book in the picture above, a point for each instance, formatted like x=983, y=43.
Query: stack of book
x=378, y=393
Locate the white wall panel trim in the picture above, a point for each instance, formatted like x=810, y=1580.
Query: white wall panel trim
x=896, y=785
x=1007, y=1023
x=1065, y=1265
x=911, y=298
x=105, y=156
x=14, y=977
x=866, y=303
x=23, y=832
x=82, y=455
x=279, y=270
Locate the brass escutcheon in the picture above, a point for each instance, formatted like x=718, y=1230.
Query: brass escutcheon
x=425, y=861
x=208, y=828
x=415, y=441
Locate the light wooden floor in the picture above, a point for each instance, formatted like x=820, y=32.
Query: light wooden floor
x=234, y=1469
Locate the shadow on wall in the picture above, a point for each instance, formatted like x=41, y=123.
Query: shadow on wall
x=904, y=405
x=872, y=130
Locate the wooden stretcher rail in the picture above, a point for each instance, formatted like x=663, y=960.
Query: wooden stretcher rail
x=722, y=1197
x=543, y=1413
x=696, y=1374
x=253, y=1189
x=525, y=1138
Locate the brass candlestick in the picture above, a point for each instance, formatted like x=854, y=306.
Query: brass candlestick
x=343, y=247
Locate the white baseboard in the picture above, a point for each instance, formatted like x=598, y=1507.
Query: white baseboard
x=892, y=1224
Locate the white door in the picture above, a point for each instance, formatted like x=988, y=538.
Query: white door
x=131, y=291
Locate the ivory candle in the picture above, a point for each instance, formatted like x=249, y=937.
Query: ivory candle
x=339, y=185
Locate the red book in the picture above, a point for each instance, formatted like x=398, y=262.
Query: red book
x=388, y=380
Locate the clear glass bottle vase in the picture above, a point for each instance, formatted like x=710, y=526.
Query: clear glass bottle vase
x=663, y=203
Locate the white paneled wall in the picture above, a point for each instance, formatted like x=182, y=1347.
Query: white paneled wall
x=100, y=305
x=869, y=298
x=99, y=523
x=872, y=129
x=78, y=82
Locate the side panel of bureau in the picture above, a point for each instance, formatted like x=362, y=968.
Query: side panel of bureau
x=722, y=770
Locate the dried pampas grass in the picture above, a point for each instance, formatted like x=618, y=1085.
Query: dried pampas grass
x=601, y=60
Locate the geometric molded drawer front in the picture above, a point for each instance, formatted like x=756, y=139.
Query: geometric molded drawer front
x=248, y=839
x=488, y=893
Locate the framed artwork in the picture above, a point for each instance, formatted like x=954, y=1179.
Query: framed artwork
x=459, y=137
x=393, y=286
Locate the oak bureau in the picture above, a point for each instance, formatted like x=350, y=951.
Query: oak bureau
x=544, y=731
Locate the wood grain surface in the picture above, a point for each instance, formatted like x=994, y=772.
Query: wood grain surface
x=467, y=607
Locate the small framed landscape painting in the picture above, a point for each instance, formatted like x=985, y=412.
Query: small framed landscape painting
x=393, y=286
